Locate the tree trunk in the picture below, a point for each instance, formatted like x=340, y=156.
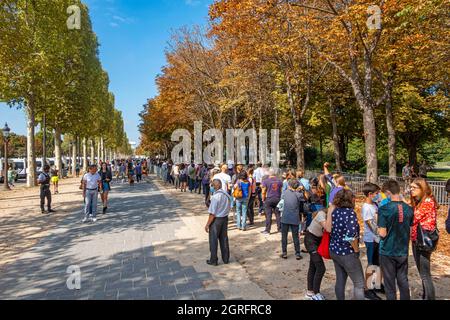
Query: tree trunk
x=58, y=162
x=337, y=148
x=99, y=155
x=412, y=153
x=92, y=151
x=299, y=150
x=391, y=134
x=370, y=135
x=31, y=155
x=74, y=159
x=85, y=164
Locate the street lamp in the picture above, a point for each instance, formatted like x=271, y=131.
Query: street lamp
x=6, y=130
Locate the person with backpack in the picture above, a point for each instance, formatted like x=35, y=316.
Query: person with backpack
x=290, y=219
x=394, y=224
x=45, y=193
x=241, y=194
x=183, y=177
x=425, y=225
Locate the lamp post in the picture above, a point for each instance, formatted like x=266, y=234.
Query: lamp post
x=6, y=131
x=70, y=158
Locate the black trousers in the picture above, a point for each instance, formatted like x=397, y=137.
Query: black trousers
x=45, y=193
x=138, y=177
x=284, y=237
x=218, y=234
x=424, y=266
x=395, y=269
x=317, y=268
x=251, y=208
x=270, y=206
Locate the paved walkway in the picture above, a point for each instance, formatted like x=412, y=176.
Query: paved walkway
x=116, y=255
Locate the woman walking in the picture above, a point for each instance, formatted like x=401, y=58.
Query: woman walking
x=425, y=213
x=343, y=225
x=106, y=177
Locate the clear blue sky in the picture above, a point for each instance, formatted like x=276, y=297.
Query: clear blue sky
x=133, y=35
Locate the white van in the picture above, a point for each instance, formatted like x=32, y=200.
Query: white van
x=20, y=165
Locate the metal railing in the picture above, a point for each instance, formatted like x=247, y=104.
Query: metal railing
x=356, y=182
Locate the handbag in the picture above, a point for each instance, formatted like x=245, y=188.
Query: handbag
x=324, y=247
x=427, y=241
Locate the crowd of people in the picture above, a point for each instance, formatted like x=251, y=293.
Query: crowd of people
x=319, y=210
x=323, y=211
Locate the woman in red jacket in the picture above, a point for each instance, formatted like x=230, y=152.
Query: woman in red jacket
x=425, y=214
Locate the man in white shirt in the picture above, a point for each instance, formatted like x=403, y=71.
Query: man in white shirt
x=224, y=177
x=91, y=185
x=258, y=175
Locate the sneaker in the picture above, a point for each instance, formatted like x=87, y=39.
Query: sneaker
x=284, y=256
x=309, y=296
x=85, y=220
x=317, y=297
x=298, y=257
x=94, y=220
x=371, y=295
x=265, y=232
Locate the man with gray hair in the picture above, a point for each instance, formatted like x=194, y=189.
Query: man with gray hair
x=217, y=225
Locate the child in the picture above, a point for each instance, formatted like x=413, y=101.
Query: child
x=371, y=239
x=55, y=180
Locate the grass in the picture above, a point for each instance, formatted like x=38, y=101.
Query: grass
x=438, y=175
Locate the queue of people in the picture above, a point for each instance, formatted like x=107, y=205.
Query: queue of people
x=323, y=210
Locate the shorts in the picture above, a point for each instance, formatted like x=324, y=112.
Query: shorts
x=373, y=256
x=55, y=179
x=106, y=187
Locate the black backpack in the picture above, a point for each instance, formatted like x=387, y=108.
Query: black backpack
x=447, y=187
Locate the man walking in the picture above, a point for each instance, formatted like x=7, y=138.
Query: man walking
x=44, y=182
x=271, y=194
x=91, y=185
x=394, y=223
x=217, y=225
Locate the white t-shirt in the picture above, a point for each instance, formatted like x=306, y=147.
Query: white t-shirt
x=258, y=175
x=369, y=213
x=225, y=178
x=92, y=180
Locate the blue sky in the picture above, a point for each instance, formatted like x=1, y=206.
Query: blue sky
x=133, y=35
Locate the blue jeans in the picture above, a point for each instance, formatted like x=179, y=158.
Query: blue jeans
x=241, y=213
x=370, y=252
x=191, y=184
x=90, y=208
